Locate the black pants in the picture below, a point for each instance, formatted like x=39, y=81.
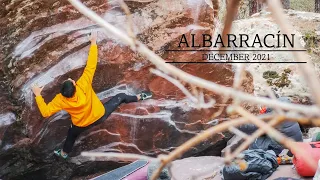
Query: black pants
x=110, y=106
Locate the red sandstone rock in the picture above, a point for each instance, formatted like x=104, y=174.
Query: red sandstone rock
x=46, y=42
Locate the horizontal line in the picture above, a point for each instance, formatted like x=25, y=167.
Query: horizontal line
x=208, y=62
x=237, y=50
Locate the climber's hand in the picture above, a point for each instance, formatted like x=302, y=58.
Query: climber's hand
x=93, y=37
x=37, y=90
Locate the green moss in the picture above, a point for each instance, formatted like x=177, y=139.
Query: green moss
x=269, y=82
x=270, y=74
x=282, y=81
x=310, y=38
x=287, y=70
x=273, y=78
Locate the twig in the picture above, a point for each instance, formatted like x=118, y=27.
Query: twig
x=194, y=141
x=176, y=83
x=269, y=92
x=202, y=83
x=212, y=176
x=194, y=90
x=303, y=120
x=238, y=132
x=228, y=151
x=238, y=77
x=130, y=23
x=232, y=10
x=288, y=142
x=167, y=68
x=220, y=110
x=199, y=138
x=272, y=96
x=199, y=102
x=249, y=141
x=157, y=172
x=127, y=156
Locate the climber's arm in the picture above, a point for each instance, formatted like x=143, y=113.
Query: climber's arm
x=91, y=66
x=46, y=109
x=50, y=108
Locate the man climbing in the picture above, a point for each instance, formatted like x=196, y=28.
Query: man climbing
x=81, y=102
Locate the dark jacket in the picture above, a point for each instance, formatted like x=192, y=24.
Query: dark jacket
x=260, y=165
x=289, y=128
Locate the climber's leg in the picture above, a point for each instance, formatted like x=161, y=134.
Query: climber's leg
x=109, y=106
x=73, y=133
x=117, y=100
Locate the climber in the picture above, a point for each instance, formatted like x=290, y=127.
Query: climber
x=81, y=102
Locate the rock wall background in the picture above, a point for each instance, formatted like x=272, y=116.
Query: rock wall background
x=307, y=31
x=45, y=42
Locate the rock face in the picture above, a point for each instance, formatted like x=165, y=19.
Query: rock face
x=45, y=42
x=290, y=81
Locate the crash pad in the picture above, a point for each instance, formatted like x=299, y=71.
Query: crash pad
x=128, y=172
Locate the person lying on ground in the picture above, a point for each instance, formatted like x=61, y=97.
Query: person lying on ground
x=289, y=128
x=81, y=102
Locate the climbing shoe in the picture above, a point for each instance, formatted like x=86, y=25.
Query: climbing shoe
x=145, y=95
x=58, y=153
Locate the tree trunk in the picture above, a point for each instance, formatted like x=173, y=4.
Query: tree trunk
x=253, y=7
x=286, y=4
x=317, y=6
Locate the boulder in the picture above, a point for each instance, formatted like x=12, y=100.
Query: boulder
x=46, y=42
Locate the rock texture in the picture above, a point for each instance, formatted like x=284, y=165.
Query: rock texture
x=306, y=26
x=45, y=42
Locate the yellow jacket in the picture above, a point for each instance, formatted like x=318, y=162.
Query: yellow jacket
x=84, y=107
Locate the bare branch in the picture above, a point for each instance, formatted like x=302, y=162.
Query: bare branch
x=125, y=156
x=157, y=172
x=272, y=96
x=307, y=69
x=249, y=141
x=197, y=84
x=167, y=68
x=199, y=138
x=130, y=23
x=238, y=77
x=232, y=10
x=176, y=83
x=269, y=91
x=238, y=132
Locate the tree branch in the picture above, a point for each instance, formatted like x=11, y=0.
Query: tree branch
x=198, y=139
x=169, y=69
x=250, y=140
x=126, y=156
x=307, y=70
